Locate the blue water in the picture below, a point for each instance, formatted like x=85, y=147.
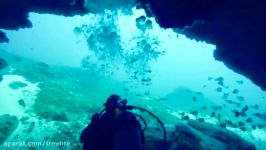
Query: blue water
x=84, y=59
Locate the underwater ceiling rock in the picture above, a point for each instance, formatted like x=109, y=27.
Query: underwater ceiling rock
x=14, y=13
x=7, y=125
x=3, y=37
x=237, y=28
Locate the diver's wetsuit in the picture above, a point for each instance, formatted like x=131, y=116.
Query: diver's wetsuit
x=113, y=132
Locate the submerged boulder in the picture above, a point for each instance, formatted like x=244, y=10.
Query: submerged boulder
x=7, y=125
x=195, y=135
x=230, y=139
x=184, y=137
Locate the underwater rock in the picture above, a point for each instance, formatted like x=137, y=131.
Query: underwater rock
x=55, y=116
x=3, y=63
x=7, y=125
x=231, y=139
x=17, y=85
x=200, y=20
x=185, y=138
x=1, y=77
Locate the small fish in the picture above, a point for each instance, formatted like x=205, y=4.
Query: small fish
x=260, y=126
x=221, y=83
x=209, y=78
x=243, y=114
x=185, y=117
x=243, y=128
x=219, y=89
x=257, y=114
x=194, y=112
x=194, y=99
x=204, y=107
x=162, y=99
x=215, y=108
x=219, y=117
x=235, y=91
x=146, y=80
x=240, y=82
x=201, y=120
x=240, y=98
x=212, y=114
x=219, y=79
x=237, y=113
x=256, y=106
x=222, y=125
x=245, y=108
x=229, y=101
x=148, y=71
x=147, y=93
x=253, y=127
x=182, y=114
x=225, y=96
x=199, y=93
x=231, y=124
x=233, y=102
x=249, y=120
x=137, y=95
x=240, y=123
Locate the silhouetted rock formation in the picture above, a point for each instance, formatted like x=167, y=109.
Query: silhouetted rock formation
x=236, y=27
x=14, y=13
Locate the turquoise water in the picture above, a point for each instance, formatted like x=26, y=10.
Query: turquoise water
x=76, y=62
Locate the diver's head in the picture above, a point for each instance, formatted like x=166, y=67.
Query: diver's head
x=113, y=102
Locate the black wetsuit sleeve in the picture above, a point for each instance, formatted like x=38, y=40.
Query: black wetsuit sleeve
x=89, y=135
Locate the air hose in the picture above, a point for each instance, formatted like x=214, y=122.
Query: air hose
x=129, y=107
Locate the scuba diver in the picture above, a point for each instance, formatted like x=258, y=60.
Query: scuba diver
x=116, y=128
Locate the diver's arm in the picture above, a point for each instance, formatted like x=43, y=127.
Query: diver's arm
x=89, y=131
